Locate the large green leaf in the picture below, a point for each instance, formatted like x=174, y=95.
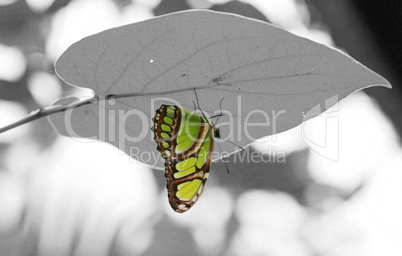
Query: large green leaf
x=265, y=74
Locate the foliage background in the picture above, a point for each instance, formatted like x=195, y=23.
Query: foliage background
x=61, y=197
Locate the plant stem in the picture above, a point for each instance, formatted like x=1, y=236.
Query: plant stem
x=39, y=113
x=42, y=112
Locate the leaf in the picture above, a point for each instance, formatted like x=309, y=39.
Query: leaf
x=263, y=74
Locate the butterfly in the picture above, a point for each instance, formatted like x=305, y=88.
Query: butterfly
x=186, y=142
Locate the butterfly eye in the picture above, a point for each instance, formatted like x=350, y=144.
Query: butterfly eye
x=217, y=133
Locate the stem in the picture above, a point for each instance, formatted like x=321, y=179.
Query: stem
x=42, y=112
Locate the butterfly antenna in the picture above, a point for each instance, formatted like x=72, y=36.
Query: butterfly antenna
x=195, y=107
x=226, y=165
x=198, y=104
x=235, y=145
x=220, y=114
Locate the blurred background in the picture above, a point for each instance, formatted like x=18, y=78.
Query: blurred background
x=62, y=197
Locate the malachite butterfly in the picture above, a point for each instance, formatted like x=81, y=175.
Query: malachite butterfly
x=186, y=142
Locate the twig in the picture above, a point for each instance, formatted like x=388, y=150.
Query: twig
x=39, y=113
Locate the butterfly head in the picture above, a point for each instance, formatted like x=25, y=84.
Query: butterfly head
x=217, y=133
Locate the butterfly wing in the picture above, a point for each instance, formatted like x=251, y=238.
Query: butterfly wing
x=186, y=178
x=166, y=126
x=187, y=152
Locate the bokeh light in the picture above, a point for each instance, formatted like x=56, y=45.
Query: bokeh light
x=79, y=19
x=269, y=224
x=39, y=5
x=44, y=88
x=11, y=112
x=12, y=63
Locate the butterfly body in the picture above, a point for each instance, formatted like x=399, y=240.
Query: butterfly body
x=186, y=141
